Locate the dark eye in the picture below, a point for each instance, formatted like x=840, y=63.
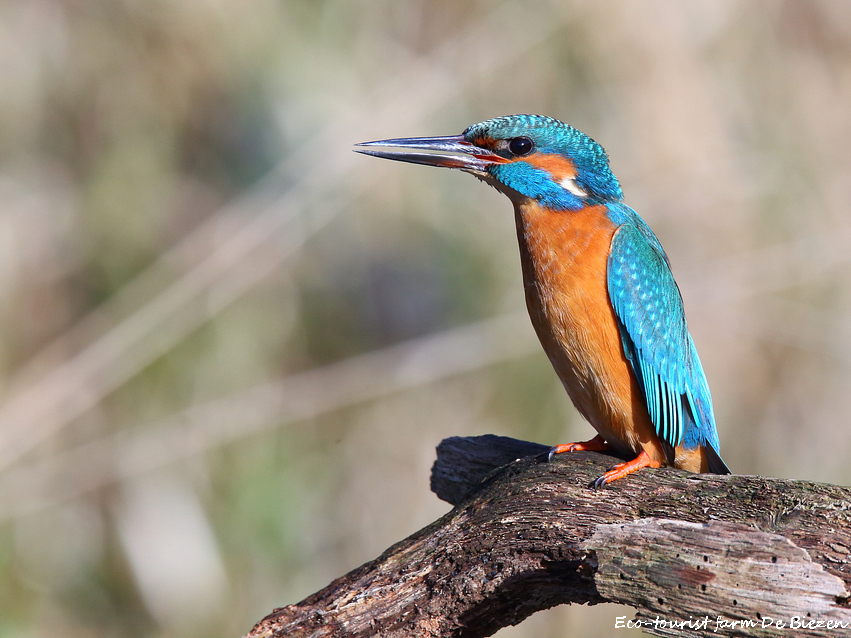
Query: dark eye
x=520, y=146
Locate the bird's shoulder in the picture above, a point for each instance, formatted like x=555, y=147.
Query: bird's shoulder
x=637, y=236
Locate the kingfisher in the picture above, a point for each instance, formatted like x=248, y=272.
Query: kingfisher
x=598, y=288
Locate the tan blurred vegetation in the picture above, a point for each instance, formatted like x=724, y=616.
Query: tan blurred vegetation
x=230, y=344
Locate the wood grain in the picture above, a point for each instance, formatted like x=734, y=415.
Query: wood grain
x=528, y=534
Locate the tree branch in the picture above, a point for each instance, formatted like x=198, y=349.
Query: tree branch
x=527, y=534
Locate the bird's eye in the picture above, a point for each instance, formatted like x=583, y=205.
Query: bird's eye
x=520, y=146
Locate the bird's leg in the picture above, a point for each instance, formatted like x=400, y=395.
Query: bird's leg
x=622, y=469
x=597, y=444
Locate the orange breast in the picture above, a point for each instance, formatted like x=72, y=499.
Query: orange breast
x=564, y=257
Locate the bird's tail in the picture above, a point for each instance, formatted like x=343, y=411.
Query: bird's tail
x=714, y=461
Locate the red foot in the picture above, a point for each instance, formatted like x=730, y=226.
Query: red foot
x=597, y=444
x=622, y=469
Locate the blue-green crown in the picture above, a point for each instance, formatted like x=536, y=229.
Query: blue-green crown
x=549, y=135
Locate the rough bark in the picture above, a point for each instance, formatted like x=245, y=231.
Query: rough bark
x=527, y=534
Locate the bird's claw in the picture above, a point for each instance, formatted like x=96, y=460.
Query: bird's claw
x=564, y=447
x=623, y=469
x=597, y=444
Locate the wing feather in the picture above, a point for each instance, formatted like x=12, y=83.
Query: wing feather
x=656, y=339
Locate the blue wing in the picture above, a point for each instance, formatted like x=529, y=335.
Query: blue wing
x=656, y=340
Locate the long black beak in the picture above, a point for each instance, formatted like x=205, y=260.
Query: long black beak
x=464, y=155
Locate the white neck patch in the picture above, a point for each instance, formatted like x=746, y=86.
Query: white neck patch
x=569, y=184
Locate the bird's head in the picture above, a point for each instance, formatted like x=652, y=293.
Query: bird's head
x=524, y=156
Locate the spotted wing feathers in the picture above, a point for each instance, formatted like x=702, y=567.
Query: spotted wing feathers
x=656, y=341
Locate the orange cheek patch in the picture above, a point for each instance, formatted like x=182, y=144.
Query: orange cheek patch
x=558, y=166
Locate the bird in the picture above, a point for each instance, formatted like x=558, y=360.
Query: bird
x=598, y=287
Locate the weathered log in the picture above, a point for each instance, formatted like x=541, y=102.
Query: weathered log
x=694, y=554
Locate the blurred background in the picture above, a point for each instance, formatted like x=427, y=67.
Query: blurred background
x=230, y=344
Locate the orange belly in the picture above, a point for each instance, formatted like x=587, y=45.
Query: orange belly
x=564, y=255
